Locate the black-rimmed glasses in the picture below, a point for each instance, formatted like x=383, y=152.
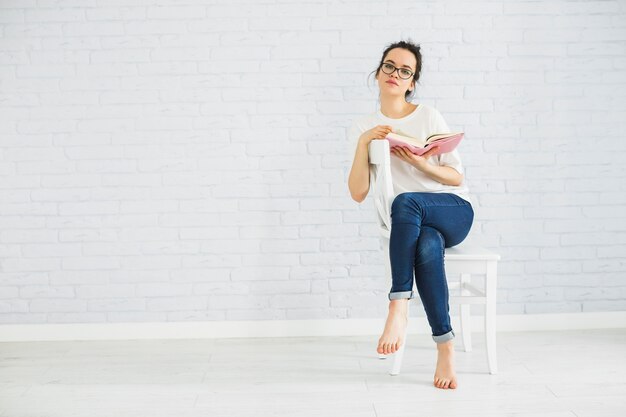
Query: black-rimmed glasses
x=403, y=73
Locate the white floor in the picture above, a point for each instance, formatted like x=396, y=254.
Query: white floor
x=578, y=373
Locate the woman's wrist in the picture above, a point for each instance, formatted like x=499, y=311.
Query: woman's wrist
x=425, y=167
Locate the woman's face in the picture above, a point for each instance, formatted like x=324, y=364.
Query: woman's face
x=392, y=84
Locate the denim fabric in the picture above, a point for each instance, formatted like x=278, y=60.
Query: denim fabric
x=422, y=225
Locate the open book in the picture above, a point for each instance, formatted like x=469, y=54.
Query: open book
x=445, y=142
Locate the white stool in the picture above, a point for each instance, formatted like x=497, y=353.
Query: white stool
x=460, y=260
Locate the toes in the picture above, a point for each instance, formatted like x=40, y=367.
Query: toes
x=388, y=348
x=381, y=346
x=444, y=383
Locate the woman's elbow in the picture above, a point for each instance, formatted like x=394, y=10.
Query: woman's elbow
x=358, y=192
x=359, y=196
x=456, y=180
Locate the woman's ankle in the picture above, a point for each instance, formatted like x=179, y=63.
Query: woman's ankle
x=399, y=303
x=446, y=346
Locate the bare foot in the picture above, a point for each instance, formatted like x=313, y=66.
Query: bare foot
x=445, y=376
x=393, y=335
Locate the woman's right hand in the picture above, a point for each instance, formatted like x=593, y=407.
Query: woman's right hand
x=377, y=132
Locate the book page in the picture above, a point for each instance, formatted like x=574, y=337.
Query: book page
x=439, y=136
x=410, y=140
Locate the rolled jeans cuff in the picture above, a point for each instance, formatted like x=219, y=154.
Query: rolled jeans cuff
x=402, y=295
x=444, y=337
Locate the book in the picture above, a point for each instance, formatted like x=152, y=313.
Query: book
x=445, y=142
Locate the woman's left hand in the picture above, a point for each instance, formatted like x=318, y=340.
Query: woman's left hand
x=417, y=161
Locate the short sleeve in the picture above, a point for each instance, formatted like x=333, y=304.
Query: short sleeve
x=450, y=159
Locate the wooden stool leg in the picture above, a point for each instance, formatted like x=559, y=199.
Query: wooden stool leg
x=466, y=322
x=490, y=316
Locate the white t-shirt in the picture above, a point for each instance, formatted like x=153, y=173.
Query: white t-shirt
x=421, y=123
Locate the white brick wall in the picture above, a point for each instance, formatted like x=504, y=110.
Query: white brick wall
x=184, y=160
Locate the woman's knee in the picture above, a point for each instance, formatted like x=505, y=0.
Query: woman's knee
x=430, y=246
x=405, y=209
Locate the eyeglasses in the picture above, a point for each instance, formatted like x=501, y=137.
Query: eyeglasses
x=403, y=73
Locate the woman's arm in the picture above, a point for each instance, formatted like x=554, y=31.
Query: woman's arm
x=359, y=180
x=443, y=174
x=440, y=173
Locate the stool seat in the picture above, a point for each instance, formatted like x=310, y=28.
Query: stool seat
x=470, y=253
x=463, y=260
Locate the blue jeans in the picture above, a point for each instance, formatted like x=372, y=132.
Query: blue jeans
x=422, y=225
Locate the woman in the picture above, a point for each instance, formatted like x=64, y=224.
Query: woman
x=431, y=210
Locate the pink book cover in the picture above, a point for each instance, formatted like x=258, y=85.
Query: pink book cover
x=444, y=145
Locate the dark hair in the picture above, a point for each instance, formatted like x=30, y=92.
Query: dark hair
x=411, y=47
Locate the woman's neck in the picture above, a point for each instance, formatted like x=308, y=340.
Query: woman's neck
x=396, y=109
